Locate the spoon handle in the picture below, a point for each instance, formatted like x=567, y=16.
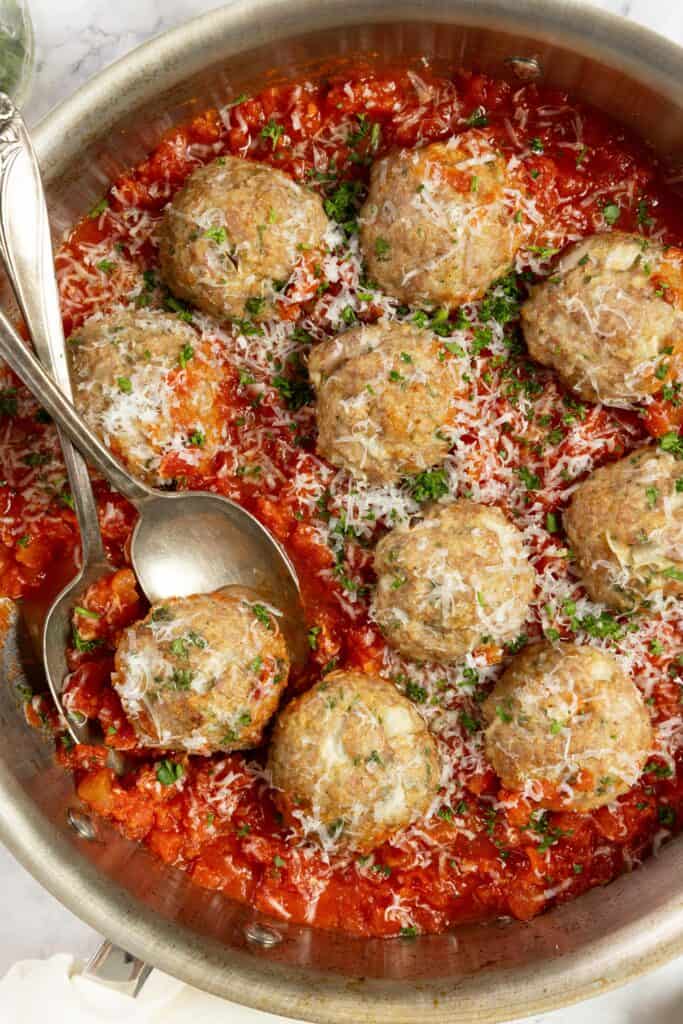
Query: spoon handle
x=26, y=252
x=22, y=361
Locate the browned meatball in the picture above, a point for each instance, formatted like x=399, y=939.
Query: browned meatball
x=146, y=384
x=457, y=579
x=610, y=319
x=567, y=727
x=625, y=526
x=384, y=395
x=233, y=235
x=202, y=673
x=441, y=223
x=354, y=760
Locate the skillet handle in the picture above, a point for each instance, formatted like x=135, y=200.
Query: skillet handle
x=121, y=971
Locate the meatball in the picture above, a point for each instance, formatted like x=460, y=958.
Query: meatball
x=567, y=727
x=609, y=320
x=146, y=385
x=441, y=223
x=354, y=761
x=383, y=399
x=202, y=673
x=457, y=579
x=625, y=526
x=232, y=236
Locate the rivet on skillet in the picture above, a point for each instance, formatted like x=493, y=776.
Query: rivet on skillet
x=81, y=824
x=527, y=69
x=262, y=936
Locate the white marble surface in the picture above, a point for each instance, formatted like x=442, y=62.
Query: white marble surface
x=75, y=39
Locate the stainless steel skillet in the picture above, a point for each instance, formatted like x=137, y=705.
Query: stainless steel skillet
x=480, y=973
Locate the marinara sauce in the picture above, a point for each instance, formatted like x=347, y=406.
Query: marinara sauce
x=484, y=852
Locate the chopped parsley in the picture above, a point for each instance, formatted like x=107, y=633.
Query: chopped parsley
x=611, y=213
x=181, y=309
x=169, y=772
x=549, y=835
x=666, y=815
x=544, y=252
x=162, y=614
x=86, y=612
x=530, y=480
x=217, y=235
x=99, y=209
x=478, y=118
x=518, y=644
x=34, y=459
x=273, y=131
x=416, y=692
x=662, y=771
x=382, y=249
x=503, y=711
x=343, y=204
x=382, y=869
x=502, y=301
x=179, y=647
x=652, y=494
x=295, y=389
x=603, y=626
x=181, y=678
x=469, y=723
x=429, y=485
x=672, y=443
x=85, y=646
x=255, y=305
x=262, y=614
x=186, y=353
x=643, y=214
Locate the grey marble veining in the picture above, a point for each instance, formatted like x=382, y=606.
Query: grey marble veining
x=75, y=39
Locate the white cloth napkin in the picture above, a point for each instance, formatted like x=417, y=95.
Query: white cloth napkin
x=54, y=990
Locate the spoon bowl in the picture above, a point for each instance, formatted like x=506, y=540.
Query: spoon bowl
x=57, y=631
x=197, y=542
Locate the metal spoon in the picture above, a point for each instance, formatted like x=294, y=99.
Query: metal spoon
x=182, y=544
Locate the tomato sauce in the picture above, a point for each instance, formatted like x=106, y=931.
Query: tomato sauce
x=486, y=852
